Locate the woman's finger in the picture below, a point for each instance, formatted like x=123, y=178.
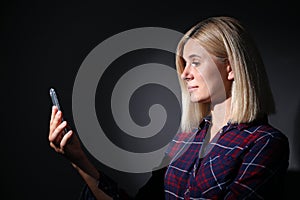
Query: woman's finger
x=58, y=132
x=54, y=111
x=56, y=148
x=56, y=121
x=66, y=138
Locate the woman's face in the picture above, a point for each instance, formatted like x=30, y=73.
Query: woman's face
x=207, y=77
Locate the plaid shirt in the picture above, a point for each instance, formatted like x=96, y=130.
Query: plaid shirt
x=243, y=161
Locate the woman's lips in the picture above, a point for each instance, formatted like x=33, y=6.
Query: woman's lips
x=192, y=88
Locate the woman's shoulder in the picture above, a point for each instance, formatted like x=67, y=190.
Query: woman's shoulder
x=265, y=130
x=263, y=133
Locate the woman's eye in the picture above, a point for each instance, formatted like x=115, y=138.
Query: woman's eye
x=195, y=64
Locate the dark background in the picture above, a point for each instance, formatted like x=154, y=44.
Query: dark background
x=43, y=44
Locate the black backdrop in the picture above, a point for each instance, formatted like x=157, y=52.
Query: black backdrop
x=43, y=43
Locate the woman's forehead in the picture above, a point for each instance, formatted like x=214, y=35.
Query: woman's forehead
x=192, y=48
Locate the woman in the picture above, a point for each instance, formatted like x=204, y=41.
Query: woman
x=235, y=153
x=227, y=149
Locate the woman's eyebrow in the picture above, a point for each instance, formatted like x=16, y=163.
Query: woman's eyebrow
x=194, y=55
x=191, y=57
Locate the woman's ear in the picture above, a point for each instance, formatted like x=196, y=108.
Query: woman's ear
x=230, y=74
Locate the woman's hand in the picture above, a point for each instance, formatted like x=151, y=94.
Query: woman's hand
x=64, y=143
x=68, y=144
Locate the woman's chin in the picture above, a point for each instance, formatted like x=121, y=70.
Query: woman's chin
x=197, y=99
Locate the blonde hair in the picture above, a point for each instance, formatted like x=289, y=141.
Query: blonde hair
x=225, y=37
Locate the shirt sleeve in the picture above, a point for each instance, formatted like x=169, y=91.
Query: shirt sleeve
x=86, y=193
x=108, y=186
x=154, y=188
x=263, y=170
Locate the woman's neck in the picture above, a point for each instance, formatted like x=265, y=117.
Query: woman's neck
x=220, y=116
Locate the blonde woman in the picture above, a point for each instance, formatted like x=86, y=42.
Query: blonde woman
x=226, y=148
x=234, y=152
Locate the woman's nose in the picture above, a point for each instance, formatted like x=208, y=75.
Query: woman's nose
x=186, y=74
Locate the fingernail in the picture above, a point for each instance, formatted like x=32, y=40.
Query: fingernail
x=58, y=113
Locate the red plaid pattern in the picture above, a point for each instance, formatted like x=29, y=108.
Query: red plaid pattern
x=247, y=161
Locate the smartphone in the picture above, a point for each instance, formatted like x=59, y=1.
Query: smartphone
x=55, y=102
